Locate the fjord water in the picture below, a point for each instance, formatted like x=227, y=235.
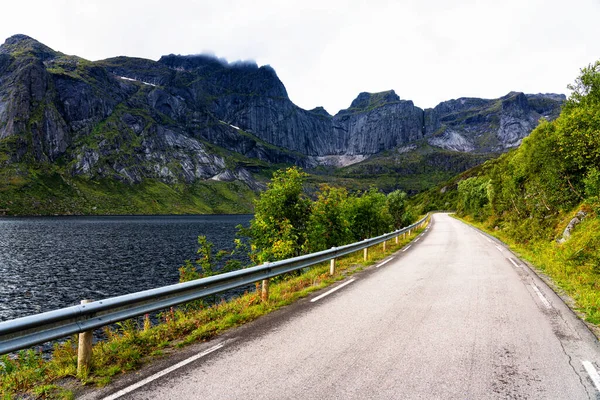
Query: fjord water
x=52, y=262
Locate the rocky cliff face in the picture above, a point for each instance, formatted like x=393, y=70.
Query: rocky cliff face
x=478, y=125
x=378, y=122
x=188, y=118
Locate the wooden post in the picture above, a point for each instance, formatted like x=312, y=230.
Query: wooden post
x=84, y=350
x=332, y=267
x=384, y=246
x=366, y=253
x=265, y=290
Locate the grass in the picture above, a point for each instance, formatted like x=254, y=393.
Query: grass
x=136, y=343
x=574, y=266
x=51, y=192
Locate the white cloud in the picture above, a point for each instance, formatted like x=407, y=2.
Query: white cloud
x=326, y=52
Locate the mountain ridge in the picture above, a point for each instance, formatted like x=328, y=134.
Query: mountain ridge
x=186, y=119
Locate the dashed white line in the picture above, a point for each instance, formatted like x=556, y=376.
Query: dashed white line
x=589, y=367
x=406, y=248
x=499, y=249
x=417, y=239
x=514, y=263
x=164, y=372
x=332, y=290
x=541, y=296
x=385, y=262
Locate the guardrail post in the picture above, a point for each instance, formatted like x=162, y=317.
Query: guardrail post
x=366, y=253
x=384, y=246
x=332, y=266
x=264, y=296
x=147, y=322
x=397, y=238
x=84, y=350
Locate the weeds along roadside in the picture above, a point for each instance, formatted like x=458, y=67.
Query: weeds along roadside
x=135, y=344
x=569, y=266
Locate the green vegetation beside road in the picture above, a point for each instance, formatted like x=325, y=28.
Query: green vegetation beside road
x=288, y=223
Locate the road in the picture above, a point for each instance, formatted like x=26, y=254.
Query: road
x=456, y=316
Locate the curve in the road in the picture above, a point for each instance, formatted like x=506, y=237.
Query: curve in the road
x=453, y=316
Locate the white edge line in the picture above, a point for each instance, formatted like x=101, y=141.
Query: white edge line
x=385, y=262
x=589, y=367
x=541, y=296
x=499, y=248
x=417, y=239
x=151, y=378
x=406, y=248
x=332, y=290
x=514, y=263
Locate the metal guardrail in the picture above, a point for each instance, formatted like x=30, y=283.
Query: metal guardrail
x=35, y=329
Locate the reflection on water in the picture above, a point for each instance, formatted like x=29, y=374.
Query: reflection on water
x=53, y=262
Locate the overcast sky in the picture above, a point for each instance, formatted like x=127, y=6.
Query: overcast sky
x=326, y=52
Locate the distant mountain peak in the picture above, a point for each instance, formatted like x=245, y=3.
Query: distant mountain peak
x=194, y=61
x=18, y=44
x=320, y=111
x=366, y=100
x=551, y=96
x=19, y=37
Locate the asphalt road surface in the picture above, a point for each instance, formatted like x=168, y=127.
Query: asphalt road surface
x=456, y=316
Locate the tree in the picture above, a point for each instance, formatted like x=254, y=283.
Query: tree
x=329, y=222
x=369, y=215
x=578, y=127
x=210, y=263
x=278, y=229
x=586, y=89
x=473, y=196
x=396, y=204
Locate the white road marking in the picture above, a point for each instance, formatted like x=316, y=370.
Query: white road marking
x=541, y=296
x=589, y=367
x=385, y=262
x=485, y=237
x=417, y=239
x=172, y=368
x=406, y=248
x=332, y=290
x=514, y=263
x=499, y=249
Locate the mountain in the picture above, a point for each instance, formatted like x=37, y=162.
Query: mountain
x=186, y=120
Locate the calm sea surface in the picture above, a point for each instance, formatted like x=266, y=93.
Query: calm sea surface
x=52, y=262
